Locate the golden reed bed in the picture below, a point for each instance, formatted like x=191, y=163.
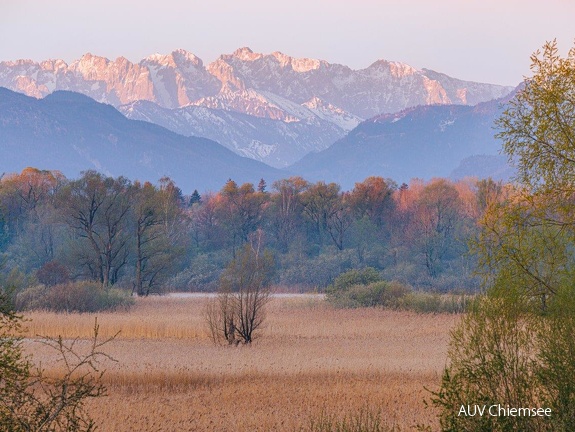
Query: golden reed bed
x=310, y=358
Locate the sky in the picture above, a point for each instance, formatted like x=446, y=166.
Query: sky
x=480, y=40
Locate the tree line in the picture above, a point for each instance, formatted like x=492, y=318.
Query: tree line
x=146, y=237
x=93, y=228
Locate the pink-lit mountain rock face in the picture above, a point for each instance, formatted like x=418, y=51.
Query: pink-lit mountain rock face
x=247, y=82
x=310, y=92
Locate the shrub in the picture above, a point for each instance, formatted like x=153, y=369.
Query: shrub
x=30, y=399
x=364, y=288
x=73, y=297
x=363, y=276
x=363, y=295
x=393, y=293
x=491, y=362
x=238, y=312
x=52, y=273
x=12, y=282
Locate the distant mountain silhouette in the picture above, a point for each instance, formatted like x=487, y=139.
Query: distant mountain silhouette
x=483, y=166
x=422, y=142
x=70, y=132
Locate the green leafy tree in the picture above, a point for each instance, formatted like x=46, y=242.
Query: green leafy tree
x=537, y=127
x=516, y=346
x=488, y=192
x=491, y=363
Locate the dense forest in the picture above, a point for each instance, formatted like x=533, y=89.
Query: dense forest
x=150, y=238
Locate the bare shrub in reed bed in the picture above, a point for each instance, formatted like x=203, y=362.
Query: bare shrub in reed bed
x=73, y=297
x=238, y=311
x=363, y=420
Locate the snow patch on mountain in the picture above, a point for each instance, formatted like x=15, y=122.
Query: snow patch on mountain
x=444, y=124
x=333, y=114
x=246, y=54
x=274, y=142
x=260, y=149
x=249, y=102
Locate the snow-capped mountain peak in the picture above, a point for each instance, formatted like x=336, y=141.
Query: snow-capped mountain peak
x=394, y=69
x=177, y=58
x=54, y=65
x=181, y=56
x=163, y=60
x=246, y=54
x=300, y=92
x=296, y=64
x=90, y=66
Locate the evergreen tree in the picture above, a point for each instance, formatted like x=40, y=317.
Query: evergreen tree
x=196, y=198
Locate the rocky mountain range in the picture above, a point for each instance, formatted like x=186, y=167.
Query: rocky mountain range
x=270, y=107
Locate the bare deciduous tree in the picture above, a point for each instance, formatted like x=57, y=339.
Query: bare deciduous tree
x=238, y=311
x=97, y=208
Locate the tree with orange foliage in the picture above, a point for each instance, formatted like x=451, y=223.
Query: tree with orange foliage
x=241, y=210
x=373, y=198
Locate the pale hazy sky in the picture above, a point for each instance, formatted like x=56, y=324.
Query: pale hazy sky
x=482, y=40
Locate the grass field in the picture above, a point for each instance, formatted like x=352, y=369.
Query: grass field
x=309, y=359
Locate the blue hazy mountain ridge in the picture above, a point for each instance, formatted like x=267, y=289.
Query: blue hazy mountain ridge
x=274, y=142
x=71, y=133
x=421, y=142
x=483, y=166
